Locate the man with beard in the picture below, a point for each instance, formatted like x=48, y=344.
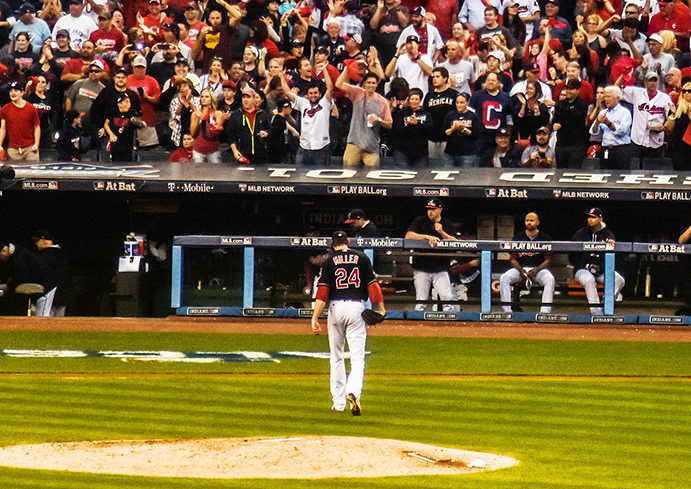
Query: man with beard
x=429, y=38
x=76, y=69
x=315, y=113
x=107, y=99
x=216, y=39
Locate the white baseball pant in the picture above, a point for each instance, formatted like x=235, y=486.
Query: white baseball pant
x=346, y=324
x=589, y=283
x=544, y=277
x=425, y=281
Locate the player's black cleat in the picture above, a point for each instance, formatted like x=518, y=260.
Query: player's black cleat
x=354, y=405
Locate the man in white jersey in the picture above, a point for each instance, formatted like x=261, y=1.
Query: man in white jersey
x=315, y=113
x=650, y=110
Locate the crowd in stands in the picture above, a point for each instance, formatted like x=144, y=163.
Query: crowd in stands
x=458, y=83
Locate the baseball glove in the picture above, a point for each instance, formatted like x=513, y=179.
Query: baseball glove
x=372, y=317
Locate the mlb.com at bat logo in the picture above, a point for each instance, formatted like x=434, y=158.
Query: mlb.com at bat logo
x=510, y=193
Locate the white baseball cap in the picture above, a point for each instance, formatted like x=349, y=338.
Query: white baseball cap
x=139, y=61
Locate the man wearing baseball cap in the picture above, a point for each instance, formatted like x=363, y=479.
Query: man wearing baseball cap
x=658, y=61
x=560, y=27
x=408, y=63
x=362, y=227
x=432, y=271
x=429, y=39
x=590, y=266
x=569, y=122
x=149, y=92
x=540, y=154
x=107, y=38
x=28, y=22
x=79, y=25
x=83, y=92
x=675, y=18
x=650, y=110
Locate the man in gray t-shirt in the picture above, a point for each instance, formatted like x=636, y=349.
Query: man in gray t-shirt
x=83, y=92
x=461, y=70
x=539, y=155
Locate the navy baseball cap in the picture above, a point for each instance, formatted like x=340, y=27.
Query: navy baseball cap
x=434, y=203
x=595, y=212
x=339, y=235
x=25, y=8
x=354, y=215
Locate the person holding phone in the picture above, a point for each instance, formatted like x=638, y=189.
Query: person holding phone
x=539, y=155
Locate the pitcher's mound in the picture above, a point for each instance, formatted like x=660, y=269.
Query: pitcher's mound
x=276, y=458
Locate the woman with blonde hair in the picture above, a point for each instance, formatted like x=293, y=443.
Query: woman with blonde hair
x=678, y=124
x=205, y=126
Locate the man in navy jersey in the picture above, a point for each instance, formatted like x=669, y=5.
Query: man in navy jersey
x=529, y=265
x=346, y=281
x=493, y=107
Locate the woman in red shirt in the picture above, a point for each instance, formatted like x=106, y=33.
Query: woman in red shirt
x=206, y=125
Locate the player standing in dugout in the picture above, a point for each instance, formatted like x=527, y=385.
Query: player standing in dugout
x=346, y=281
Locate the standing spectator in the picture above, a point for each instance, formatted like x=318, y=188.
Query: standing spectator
x=352, y=51
x=79, y=25
x=315, y=114
x=672, y=17
x=439, y=102
x=529, y=267
x=23, y=55
x=154, y=21
x=573, y=73
x=429, y=38
x=410, y=64
x=83, y=92
x=7, y=19
x=345, y=14
x=590, y=267
x=561, y=28
x=529, y=114
x=614, y=123
x=149, y=93
x=121, y=125
x=446, y=12
x=76, y=69
x=540, y=154
x=495, y=62
x=181, y=109
x=655, y=60
x=56, y=261
x=19, y=123
x=278, y=142
x=334, y=42
x=650, y=110
x=678, y=124
x=107, y=38
x=370, y=112
x=388, y=21
x=432, y=271
x=162, y=71
x=63, y=53
x=43, y=99
x=532, y=74
x=529, y=12
x=461, y=127
x=108, y=98
x=216, y=39
x=170, y=33
x=205, y=125
x=214, y=78
x=492, y=27
x=248, y=130
x=493, y=107
x=68, y=144
x=27, y=22
x=570, y=124
x=472, y=13
x=673, y=80
x=461, y=72
x=411, y=130
x=192, y=18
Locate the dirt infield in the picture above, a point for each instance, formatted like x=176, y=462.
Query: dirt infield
x=274, y=458
x=628, y=332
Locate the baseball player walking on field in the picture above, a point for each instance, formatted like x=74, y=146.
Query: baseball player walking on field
x=346, y=281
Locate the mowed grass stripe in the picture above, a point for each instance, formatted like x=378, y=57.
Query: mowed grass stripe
x=560, y=443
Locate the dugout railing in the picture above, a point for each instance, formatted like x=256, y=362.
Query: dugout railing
x=245, y=266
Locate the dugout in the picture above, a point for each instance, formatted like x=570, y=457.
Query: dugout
x=92, y=208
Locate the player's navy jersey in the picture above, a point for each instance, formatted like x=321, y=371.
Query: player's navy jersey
x=347, y=273
x=530, y=258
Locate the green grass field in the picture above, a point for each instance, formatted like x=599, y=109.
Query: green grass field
x=577, y=414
